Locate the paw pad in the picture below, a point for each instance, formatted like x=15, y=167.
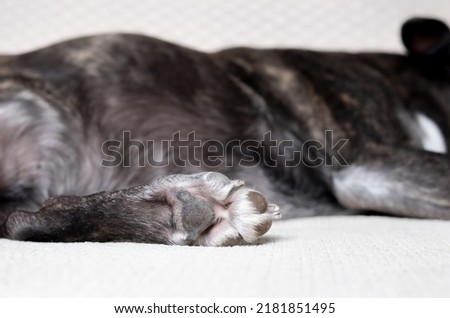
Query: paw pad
x=258, y=201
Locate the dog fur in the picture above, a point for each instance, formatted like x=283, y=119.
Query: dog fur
x=60, y=104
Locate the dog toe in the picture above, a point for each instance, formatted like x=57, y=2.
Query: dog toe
x=258, y=200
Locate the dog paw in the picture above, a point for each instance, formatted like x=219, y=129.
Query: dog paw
x=211, y=210
x=201, y=209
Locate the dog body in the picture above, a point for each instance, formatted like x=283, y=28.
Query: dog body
x=68, y=111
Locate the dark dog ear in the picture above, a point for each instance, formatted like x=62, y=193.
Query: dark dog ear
x=426, y=37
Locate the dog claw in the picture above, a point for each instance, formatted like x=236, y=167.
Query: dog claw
x=238, y=183
x=277, y=215
x=275, y=210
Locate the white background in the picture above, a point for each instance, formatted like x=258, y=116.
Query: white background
x=214, y=24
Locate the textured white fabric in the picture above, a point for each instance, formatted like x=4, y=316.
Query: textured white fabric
x=334, y=256
x=338, y=256
x=214, y=24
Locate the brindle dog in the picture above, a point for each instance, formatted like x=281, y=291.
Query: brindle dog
x=61, y=105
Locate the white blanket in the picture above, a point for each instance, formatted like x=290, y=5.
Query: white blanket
x=330, y=256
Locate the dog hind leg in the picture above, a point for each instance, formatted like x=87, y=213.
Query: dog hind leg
x=403, y=182
x=200, y=209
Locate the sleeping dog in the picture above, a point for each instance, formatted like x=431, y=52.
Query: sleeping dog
x=128, y=138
